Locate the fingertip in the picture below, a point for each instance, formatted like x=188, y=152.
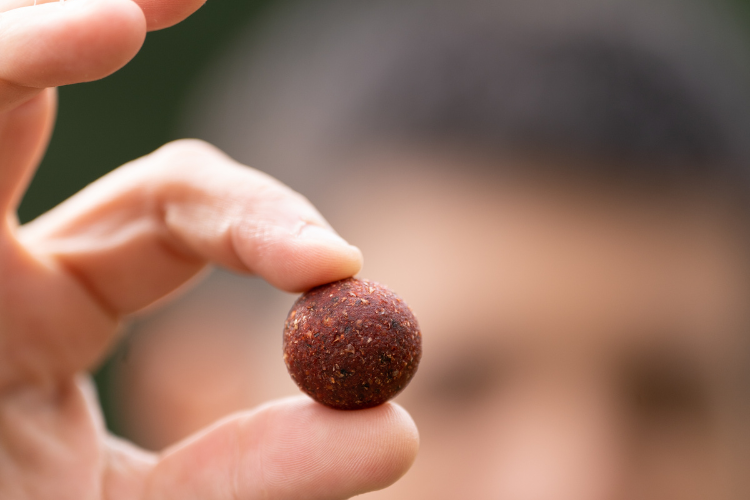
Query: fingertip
x=91, y=39
x=296, y=261
x=118, y=30
x=333, y=258
x=399, y=433
x=162, y=14
x=344, y=453
x=402, y=418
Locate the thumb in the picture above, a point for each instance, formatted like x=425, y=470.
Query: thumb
x=290, y=449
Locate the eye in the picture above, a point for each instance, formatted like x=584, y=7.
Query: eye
x=666, y=388
x=465, y=380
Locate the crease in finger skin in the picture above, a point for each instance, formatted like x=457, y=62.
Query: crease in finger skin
x=12, y=95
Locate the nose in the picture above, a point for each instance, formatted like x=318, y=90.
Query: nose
x=559, y=445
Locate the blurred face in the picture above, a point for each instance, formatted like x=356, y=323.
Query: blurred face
x=579, y=344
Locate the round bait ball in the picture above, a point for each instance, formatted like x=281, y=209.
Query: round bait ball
x=351, y=344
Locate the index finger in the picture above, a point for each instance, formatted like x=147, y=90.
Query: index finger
x=144, y=230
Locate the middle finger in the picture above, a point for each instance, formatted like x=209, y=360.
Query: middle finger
x=62, y=43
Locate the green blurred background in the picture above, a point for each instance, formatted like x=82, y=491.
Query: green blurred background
x=104, y=124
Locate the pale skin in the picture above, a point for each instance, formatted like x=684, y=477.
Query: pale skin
x=69, y=278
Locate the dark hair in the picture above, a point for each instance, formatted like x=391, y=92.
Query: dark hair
x=571, y=98
x=361, y=74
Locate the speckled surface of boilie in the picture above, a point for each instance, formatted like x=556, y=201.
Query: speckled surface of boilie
x=351, y=344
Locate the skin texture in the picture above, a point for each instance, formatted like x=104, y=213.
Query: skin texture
x=352, y=344
x=69, y=278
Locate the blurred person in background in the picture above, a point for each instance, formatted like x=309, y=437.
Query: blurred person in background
x=558, y=188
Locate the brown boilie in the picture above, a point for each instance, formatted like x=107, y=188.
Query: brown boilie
x=351, y=344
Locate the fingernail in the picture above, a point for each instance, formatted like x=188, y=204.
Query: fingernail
x=320, y=234
x=348, y=258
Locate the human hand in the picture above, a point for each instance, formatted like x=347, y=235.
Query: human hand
x=58, y=43
x=68, y=278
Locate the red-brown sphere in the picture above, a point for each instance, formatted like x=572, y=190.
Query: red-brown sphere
x=351, y=344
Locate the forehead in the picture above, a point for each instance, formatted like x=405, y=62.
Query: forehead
x=523, y=256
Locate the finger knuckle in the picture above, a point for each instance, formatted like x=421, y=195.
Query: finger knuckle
x=188, y=151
